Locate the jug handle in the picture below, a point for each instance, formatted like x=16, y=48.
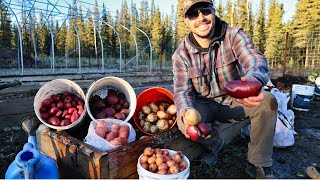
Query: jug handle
x=28, y=171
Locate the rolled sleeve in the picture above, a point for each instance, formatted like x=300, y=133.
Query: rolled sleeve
x=183, y=88
x=253, y=63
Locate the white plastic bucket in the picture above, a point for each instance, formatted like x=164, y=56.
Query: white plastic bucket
x=144, y=174
x=55, y=87
x=302, y=96
x=101, y=86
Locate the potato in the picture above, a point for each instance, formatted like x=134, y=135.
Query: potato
x=172, y=110
x=47, y=102
x=65, y=122
x=101, y=132
x=154, y=107
x=154, y=129
x=103, y=125
x=117, y=107
x=192, y=117
x=112, y=99
x=146, y=110
x=112, y=92
x=110, y=136
x=118, y=141
x=141, y=115
x=162, y=115
x=54, y=121
x=124, y=111
x=124, y=131
x=119, y=116
x=109, y=111
x=115, y=127
x=125, y=104
x=152, y=117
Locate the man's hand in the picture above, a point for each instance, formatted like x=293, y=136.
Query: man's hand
x=253, y=101
x=182, y=125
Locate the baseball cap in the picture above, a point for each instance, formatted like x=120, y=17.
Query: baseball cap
x=188, y=3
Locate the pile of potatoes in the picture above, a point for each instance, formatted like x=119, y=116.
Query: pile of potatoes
x=116, y=134
x=114, y=105
x=61, y=109
x=157, y=116
x=159, y=161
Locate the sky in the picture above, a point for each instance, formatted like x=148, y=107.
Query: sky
x=165, y=6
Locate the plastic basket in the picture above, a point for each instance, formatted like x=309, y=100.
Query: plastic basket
x=55, y=87
x=153, y=94
x=101, y=86
x=144, y=174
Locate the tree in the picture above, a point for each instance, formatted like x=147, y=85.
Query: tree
x=275, y=38
x=259, y=32
x=156, y=33
x=305, y=21
x=220, y=10
x=5, y=28
x=182, y=29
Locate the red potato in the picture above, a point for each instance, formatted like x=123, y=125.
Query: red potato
x=101, y=132
x=43, y=110
x=124, y=131
x=183, y=165
x=153, y=168
x=145, y=166
x=45, y=116
x=144, y=159
x=117, y=107
x=115, y=127
x=80, y=109
x=68, y=116
x=205, y=128
x=163, y=166
x=119, y=116
x=80, y=102
x=56, y=97
x=60, y=104
x=65, y=122
x=242, y=89
x=95, y=98
x=53, y=110
x=102, y=124
x=59, y=113
x=67, y=105
x=122, y=96
x=112, y=99
x=54, y=121
x=109, y=111
x=194, y=133
x=118, y=141
x=71, y=110
x=111, y=135
x=125, y=104
x=100, y=104
x=74, y=116
x=47, y=102
x=124, y=111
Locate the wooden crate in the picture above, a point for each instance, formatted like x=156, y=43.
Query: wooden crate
x=76, y=159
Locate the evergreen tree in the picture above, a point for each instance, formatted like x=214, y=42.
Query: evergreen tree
x=220, y=10
x=229, y=13
x=156, y=34
x=5, y=28
x=275, y=32
x=182, y=29
x=259, y=33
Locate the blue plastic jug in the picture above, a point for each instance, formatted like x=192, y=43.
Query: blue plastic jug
x=31, y=164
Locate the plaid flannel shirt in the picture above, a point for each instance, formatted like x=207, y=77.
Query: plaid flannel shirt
x=203, y=74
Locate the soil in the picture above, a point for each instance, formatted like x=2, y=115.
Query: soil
x=290, y=162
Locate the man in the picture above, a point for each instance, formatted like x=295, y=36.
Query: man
x=210, y=55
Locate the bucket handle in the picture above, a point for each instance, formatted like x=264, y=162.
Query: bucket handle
x=285, y=119
x=297, y=95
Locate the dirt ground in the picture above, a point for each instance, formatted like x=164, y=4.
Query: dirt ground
x=289, y=162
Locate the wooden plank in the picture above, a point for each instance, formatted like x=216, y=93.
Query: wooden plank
x=60, y=146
